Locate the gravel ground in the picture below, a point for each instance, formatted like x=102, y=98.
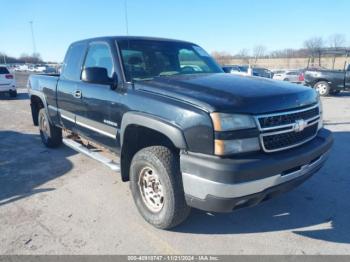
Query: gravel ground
x=61, y=202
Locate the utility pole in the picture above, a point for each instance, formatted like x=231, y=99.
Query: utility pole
x=33, y=39
x=126, y=17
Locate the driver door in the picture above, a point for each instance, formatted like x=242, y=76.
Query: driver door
x=98, y=120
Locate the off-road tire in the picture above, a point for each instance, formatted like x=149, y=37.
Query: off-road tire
x=50, y=135
x=166, y=165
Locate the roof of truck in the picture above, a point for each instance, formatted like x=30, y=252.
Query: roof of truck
x=119, y=38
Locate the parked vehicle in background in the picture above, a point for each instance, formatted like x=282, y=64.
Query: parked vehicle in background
x=50, y=70
x=22, y=68
x=39, y=68
x=7, y=82
x=183, y=138
x=237, y=70
x=245, y=70
x=262, y=72
x=293, y=76
x=328, y=82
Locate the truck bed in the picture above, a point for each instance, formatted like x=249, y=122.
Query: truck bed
x=39, y=82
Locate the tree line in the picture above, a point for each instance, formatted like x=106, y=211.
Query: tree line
x=24, y=58
x=314, y=48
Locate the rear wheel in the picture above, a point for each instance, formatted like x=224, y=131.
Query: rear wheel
x=156, y=186
x=50, y=135
x=322, y=88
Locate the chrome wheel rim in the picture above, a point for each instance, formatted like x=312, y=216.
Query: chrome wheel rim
x=321, y=89
x=151, y=189
x=44, y=128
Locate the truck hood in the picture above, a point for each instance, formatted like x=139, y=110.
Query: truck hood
x=230, y=93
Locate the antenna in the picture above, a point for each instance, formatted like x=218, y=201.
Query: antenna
x=126, y=17
x=33, y=39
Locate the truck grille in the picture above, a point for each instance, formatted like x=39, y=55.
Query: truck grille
x=278, y=120
x=285, y=130
x=285, y=140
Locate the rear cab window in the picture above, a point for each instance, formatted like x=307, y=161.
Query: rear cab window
x=73, y=62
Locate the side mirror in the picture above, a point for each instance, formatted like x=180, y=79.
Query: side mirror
x=99, y=75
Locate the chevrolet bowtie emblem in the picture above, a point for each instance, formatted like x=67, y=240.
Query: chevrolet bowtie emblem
x=299, y=125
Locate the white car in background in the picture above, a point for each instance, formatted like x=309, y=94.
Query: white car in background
x=293, y=76
x=7, y=82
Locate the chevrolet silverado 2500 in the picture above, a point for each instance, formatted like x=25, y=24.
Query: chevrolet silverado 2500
x=184, y=133
x=328, y=82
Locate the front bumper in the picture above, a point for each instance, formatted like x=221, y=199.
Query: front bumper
x=223, y=184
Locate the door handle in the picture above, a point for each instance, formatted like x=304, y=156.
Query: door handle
x=77, y=94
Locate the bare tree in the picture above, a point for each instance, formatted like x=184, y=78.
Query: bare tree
x=314, y=46
x=244, y=55
x=336, y=41
x=258, y=52
x=222, y=57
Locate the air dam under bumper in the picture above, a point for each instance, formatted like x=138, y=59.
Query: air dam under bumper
x=223, y=184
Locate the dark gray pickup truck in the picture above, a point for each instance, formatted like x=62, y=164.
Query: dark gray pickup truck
x=184, y=133
x=328, y=82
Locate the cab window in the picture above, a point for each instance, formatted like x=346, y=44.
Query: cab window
x=99, y=55
x=72, y=62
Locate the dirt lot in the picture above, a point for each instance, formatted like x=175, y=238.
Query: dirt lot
x=61, y=202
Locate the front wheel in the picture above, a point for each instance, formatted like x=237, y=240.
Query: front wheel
x=50, y=135
x=322, y=88
x=156, y=186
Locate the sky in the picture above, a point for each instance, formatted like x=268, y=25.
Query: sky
x=216, y=25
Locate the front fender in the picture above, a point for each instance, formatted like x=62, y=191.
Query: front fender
x=173, y=132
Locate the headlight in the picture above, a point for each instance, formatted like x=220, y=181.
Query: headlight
x=226, y=147
x=229, y=122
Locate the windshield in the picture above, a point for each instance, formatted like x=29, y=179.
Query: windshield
x=146, y=59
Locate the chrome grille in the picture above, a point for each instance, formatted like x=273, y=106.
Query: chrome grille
x=285, y=119
x=285, y=130
x=283, y=140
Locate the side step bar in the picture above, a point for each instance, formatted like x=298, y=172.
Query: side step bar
x=95, y=155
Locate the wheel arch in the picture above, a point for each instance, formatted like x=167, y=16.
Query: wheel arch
x=170, y=130
x=139, y=130
x=321, y=80
x=37, y=101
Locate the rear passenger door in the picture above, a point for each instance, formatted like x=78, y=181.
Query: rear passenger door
x=100, y=104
